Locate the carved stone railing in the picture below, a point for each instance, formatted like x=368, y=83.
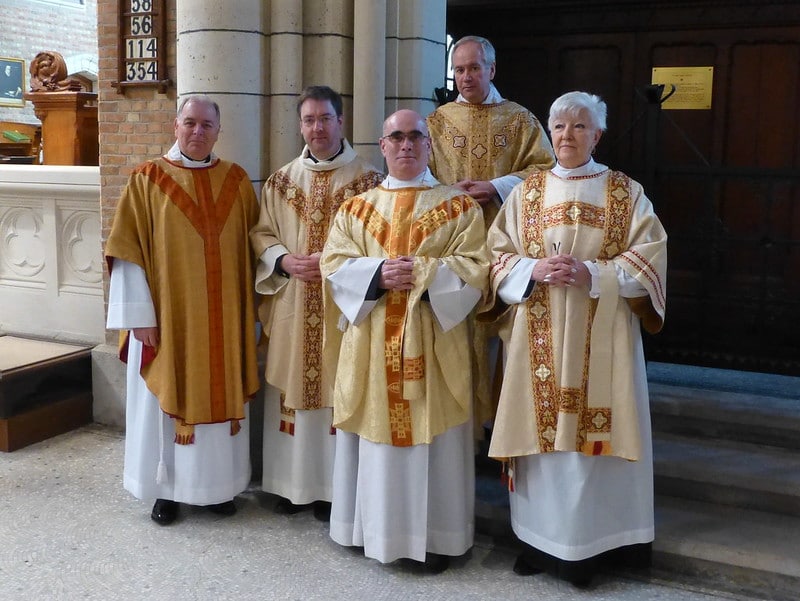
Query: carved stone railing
x=51, y=272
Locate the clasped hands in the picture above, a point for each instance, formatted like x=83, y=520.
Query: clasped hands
x=303, y=267
x=397, y=274
x=561, y=270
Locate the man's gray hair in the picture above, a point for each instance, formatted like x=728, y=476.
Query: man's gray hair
x=489, y=55
x=573, y=103
x=199, y=99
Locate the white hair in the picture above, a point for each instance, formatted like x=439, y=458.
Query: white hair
x=573, y=103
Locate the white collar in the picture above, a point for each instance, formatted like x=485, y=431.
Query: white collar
x=343, y=158
x=424, y=179
x=588, y=168
x=493, y=97
x=174, y=154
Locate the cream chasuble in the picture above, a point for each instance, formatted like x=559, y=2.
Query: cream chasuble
x=297, y=204
x=576, y=389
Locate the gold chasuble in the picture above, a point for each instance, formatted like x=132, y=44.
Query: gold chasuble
x=486, y=141
x=575, y=391
x=299, y=202
x=188, y=228
x=400, y=379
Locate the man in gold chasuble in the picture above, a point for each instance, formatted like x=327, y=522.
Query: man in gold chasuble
x=181, y=282
x=484, y=145
x=404, y=266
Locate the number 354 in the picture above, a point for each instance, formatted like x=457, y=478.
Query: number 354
x=143, y=71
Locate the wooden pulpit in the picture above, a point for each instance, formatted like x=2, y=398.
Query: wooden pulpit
x=69, y=126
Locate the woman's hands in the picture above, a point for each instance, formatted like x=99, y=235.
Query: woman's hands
x=561, y=270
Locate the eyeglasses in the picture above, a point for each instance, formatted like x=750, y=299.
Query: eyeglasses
x=325, y=120
x=398, y=137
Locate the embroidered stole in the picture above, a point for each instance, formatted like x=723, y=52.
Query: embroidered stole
x=552, y=402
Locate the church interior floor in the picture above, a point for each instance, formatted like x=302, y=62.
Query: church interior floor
x=70, y=531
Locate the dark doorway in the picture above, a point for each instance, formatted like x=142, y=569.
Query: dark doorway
x=725, y=181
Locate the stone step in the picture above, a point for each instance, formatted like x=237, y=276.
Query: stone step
x=743, y=551
x=727, y=473
x=724, y=380
x=738, y=416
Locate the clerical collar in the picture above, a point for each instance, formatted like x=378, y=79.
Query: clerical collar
x=188, y=158
x=590, y=167
x=493, y=97
x=424, y=179
x=329, y=159
x=175, y=155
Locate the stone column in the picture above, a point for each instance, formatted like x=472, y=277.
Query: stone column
x=221, y=51
x=286, y=81
x=369, y=83
x=415, y=53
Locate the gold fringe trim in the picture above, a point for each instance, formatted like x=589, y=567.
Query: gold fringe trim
x=184, y=433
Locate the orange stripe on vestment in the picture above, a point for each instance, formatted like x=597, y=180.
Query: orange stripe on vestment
x=396, y=309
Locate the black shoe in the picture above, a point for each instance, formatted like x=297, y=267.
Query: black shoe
x=164, y=512
x=322, y=511
x=523, y=567
x=286, y=507
x=435, y=563
x=533, y=561
x=578, y=573
x=634, y=557
x=227, y=508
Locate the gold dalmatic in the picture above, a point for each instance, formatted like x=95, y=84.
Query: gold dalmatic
x=593, y=434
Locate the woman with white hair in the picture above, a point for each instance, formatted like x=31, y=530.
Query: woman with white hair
x=579, y=263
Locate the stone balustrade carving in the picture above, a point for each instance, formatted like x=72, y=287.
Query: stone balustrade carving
x=51, y=271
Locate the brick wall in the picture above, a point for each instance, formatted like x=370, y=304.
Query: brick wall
x=33, y=26
x=134, y=126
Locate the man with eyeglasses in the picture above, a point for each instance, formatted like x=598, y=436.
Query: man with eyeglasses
x=297, y=203
x=484, y=145
x=404, y=265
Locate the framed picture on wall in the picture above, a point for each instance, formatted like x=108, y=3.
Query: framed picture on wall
x=12, y=81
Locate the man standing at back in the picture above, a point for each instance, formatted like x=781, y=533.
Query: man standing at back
x=481, y=143
x=404, y=265
x=297, y=204
x=181, y=282
x=484, y=145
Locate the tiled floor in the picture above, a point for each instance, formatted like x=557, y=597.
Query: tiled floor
x=68, y=530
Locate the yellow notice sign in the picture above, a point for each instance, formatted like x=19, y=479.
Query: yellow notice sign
x=692, y=86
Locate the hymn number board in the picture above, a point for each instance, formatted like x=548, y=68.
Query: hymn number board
x=142, y=51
